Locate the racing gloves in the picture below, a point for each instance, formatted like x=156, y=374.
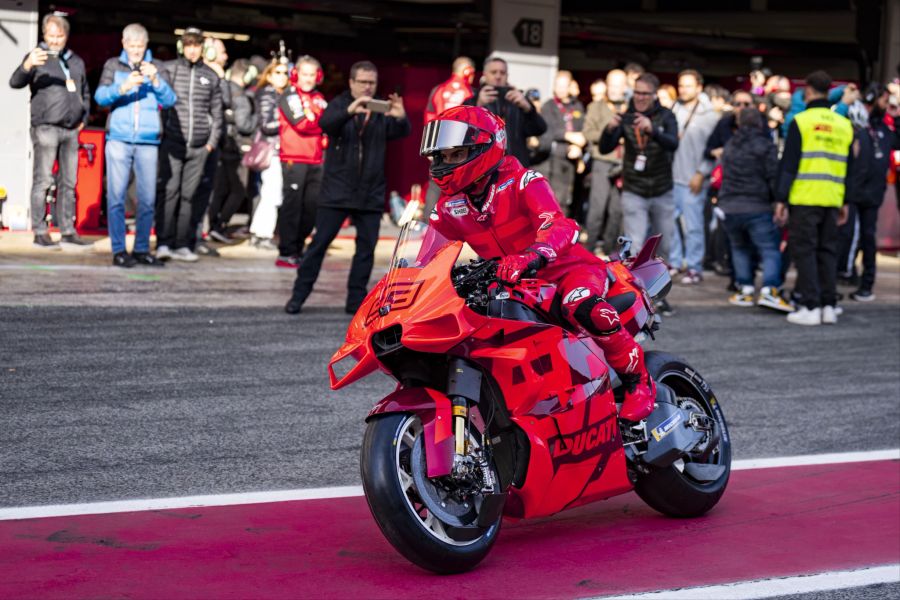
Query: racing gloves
x=512, y=267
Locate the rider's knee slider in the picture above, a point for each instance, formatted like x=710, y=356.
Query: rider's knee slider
x=595, y=325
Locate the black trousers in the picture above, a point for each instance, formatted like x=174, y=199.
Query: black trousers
x=202, y=197
x=297, y=214
x=813, y=239
x=848, y=243
x=229, y=192
x=857, y=235
x=180, y=170
x=328, y=225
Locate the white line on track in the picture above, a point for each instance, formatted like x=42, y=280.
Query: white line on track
x=767, y=588
x=119, y=506
x=815, y=459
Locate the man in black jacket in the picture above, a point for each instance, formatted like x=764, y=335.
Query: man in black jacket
x=60, y=103
x=651, y=137
x=511, y=105
x=352, y=182
x=192, y=130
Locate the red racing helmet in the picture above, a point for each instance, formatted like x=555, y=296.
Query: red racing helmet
x=472, y=127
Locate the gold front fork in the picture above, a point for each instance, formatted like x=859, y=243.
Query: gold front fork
x=460, y=418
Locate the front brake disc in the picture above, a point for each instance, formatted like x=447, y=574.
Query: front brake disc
x=438, y=500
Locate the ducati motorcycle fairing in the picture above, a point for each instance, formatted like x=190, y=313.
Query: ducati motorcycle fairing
x=503, y=408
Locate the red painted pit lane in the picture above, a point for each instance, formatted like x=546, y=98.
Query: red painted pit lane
x=771, y=522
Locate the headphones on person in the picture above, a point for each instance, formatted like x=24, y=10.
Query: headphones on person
x=306, y=58
x=249, y=76
x=179, y=44
x=209, y=49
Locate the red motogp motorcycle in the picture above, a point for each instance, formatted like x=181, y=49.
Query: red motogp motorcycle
x=503, y=410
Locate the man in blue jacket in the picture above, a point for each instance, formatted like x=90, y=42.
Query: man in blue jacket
x=136, y=88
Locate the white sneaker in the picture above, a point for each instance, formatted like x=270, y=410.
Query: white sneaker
x=805, y=316
x=163, y=253
x=829, y=315
x=183, y=254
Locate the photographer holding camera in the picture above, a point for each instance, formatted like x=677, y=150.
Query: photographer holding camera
x=358, y=126
x=650, y=133
x=136, y=88
x=60, y=103
x=511, y=105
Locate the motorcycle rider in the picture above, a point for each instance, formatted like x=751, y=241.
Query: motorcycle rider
x=500, y=208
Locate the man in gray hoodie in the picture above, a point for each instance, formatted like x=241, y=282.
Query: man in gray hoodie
x=690, y=172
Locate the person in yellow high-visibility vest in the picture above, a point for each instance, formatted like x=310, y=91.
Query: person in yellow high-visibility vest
x=811, y=186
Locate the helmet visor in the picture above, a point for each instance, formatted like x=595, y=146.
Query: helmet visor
x=443, y=135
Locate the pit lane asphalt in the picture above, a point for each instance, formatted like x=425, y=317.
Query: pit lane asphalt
x=191, y=380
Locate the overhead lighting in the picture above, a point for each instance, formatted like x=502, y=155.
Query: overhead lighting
x=221, y=35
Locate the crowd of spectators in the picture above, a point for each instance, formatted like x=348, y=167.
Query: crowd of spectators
x=739, y=183
x=736, y=182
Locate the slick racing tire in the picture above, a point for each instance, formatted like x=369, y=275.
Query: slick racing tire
x=671, y=490
x=391, y=489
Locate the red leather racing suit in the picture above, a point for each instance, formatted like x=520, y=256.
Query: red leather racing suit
x=520, y=213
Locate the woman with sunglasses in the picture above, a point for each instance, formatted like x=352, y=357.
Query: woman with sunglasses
x=272, y=83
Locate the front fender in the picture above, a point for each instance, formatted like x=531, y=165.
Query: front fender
x=434, y=410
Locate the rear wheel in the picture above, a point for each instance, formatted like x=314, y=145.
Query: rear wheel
x=432, y=522
x=673, y=490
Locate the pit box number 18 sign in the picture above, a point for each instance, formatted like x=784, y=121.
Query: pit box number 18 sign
x=529, y=33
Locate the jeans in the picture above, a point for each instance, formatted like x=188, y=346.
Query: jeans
x=50, y=141
x=180, y=170
x=640, y=212
x=689, y=209
x=813, y=237
x=749, y=231
x=121, y=158
x=328, y=225
x=604, y=218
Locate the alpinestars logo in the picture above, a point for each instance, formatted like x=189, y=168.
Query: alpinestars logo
x=612, y=319
x=576, y=295
x=632, y=360
x=528, y=177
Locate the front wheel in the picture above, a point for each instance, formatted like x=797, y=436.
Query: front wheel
x=672, y=490
x=432, y=522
